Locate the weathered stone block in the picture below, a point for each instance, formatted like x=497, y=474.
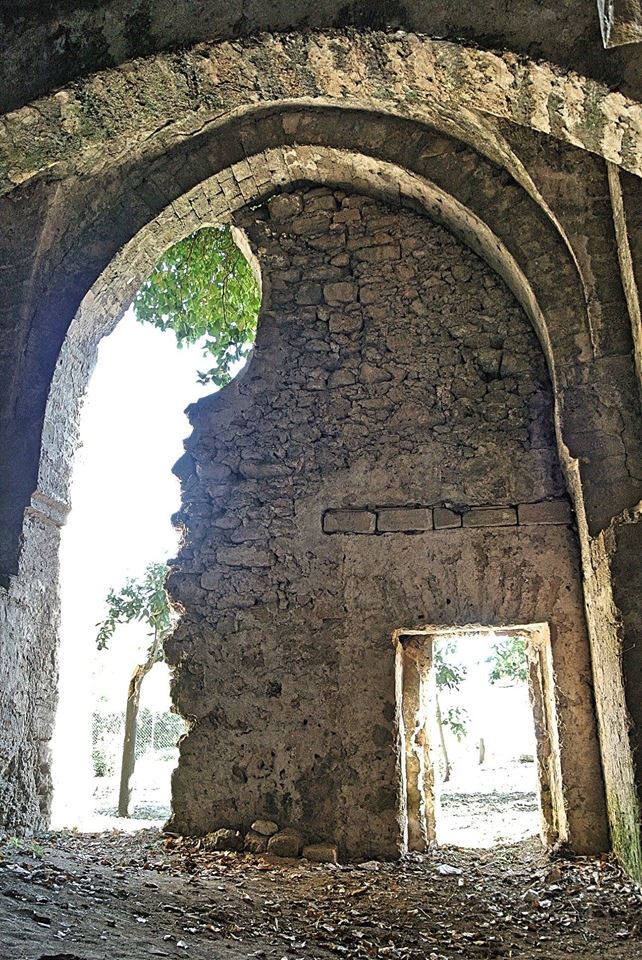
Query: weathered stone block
x=349, y=521
x=404, y=519
x=244, y=556
x=253, y=470
x=255, y=842
x=491, y=517
x=308, y=294
x=341, y=378
x=546, y=511
x=321, y=852
x=286, y=843
x=343, y=291
x=211, y=579
x=445, y=519
x=345, y=323
x=213, y=471
x=223, y=840
x=388, y=251
x=371, y=374
x=267, y=828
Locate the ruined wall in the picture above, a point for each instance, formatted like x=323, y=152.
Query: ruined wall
x=332, y=494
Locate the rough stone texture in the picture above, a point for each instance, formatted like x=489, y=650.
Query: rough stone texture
x=286, y=843
x=103, y=175
x=321, y=852
x=29, y=620
x=255, y=842
x=349, y=521
x=490, y=517
x=446, y=519
x=223, y=840
x=460, y=410
x=547, y=511
x=266, y=828
x=67, y=130
x=621, y=21
x=526, y=249
x=74, y=39
x=404, y=519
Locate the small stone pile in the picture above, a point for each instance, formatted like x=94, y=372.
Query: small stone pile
x=264, y=836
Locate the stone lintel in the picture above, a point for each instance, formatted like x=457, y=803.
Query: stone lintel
x=546, y=511
x=404, y=519
x=490, y=517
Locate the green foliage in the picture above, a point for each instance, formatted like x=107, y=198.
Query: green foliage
x=508, y=660
x=141, y=599
x=203, y=287
x=448, y=673
x=456, y=719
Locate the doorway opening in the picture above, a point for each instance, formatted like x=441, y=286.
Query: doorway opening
x=479, y=747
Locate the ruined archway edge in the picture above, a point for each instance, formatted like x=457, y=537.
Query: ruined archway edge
x=148, y=102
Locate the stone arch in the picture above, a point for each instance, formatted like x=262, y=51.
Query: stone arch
x=405, y=73
x=414, y=164
x=211, y=201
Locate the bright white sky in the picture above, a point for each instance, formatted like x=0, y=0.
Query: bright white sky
x=132, y=430
x=123, y=496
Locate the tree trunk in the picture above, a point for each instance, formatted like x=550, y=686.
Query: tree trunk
x=131, y=718
x=442, y=743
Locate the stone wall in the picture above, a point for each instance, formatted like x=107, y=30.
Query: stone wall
x=29, y=622
x=396, y=389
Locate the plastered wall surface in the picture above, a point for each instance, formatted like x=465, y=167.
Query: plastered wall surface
x=334, y=493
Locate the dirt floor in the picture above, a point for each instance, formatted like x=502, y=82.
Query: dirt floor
x=118, y=896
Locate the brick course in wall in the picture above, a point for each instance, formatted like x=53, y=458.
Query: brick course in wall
x=421, y=519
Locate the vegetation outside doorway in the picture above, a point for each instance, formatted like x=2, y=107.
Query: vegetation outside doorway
x=419, y=674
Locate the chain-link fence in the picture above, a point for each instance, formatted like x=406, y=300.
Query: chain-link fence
x=157, y=736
